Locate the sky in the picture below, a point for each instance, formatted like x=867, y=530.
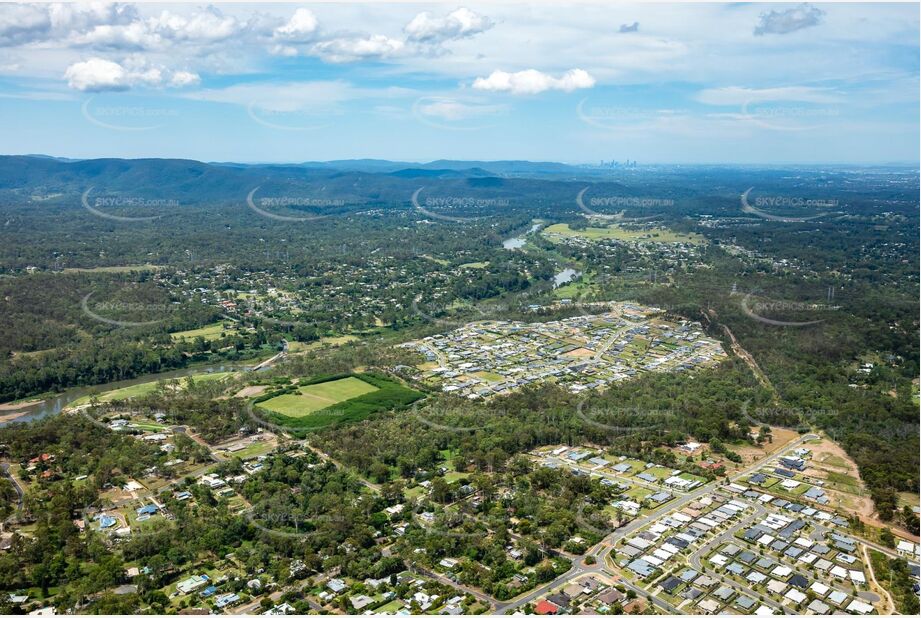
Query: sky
x=582, y=82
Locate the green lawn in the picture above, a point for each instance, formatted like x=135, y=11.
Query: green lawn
x=254, y=450
x=332, y=400
x=488, y=376
x=318, y=396
x=391, y=608
x=451, y=477
x=659, y=473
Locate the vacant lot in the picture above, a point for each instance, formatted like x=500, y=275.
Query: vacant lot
x=208, y=333
x=615, y=232
x=145, y=388
x=318, y=396
x=297, y=346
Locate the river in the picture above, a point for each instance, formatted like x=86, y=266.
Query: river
x=519, y=241
x=564, y=276
x=55, y=404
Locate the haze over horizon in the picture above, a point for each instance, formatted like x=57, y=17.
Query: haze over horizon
x=280, y=83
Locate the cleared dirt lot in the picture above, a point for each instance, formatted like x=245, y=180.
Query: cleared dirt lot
x=750, y=453
x=251, y=391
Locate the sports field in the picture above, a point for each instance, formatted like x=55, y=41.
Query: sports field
x=318, y=396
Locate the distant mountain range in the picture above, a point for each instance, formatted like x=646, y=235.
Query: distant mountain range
x=359, y=182
x=498, y=168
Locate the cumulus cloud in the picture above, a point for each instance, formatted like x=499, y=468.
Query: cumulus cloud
x=24, y=24
x=113, y=26
x=302, y=26
x=532, y=81
x=784, y=22
x=350, y=49
x=424, y=28
x=180, y=79
x=634, y=27
x=99, y=74
x=96, y=74
x=162, y=31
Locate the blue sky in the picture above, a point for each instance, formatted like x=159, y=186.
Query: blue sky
x=582, y=82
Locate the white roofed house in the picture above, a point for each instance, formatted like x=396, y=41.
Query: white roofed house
x=906, y=548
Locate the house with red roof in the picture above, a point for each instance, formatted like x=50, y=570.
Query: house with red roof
x=546, y=608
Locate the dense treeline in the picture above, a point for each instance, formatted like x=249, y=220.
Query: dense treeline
x=629, y=417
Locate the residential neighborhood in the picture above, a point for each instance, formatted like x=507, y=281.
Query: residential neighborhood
x=483, y=359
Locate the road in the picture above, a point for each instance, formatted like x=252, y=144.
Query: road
x=481, y=596
x=890, y=608
x=727, y=537
x=602, y=548
x=5, y=470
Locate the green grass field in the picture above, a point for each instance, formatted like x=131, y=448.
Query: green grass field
x=333, y=400
x=146, y=388
x=208, y=333
x=615, y=232
x=318, y=396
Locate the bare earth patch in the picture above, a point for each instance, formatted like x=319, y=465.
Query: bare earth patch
x=841, y=477
x=251, y=391
x=751, y=453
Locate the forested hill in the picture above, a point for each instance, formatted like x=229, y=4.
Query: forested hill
x=49, y=180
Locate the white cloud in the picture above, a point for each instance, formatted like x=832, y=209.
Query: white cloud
x=20, y=24
x=24, y=24
x=184, y=78
x=302, y=26
x=99, y=74
x=162, y=31
x=461, y=23
x=351, y=49
x=737, y=95
x=532, y=81
x=454, y=110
